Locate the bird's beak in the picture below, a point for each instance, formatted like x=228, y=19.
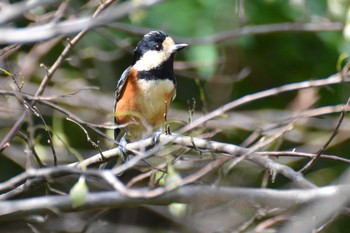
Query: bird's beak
x=178, y=47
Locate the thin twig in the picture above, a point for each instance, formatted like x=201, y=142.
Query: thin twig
x=303, y=154
x=49, y=134
x=71, y=26
x=214, y=147
x=49, y=75
x=324, y=147
x=9, y=48
x=242, y=31
x=337, y=78
x=32, y=148
x=94, y=144
x=12, y=11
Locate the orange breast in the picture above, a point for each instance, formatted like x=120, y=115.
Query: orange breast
x=143, y=103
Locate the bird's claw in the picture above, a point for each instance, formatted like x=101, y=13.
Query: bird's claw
x=124, y=152
x=155, y=137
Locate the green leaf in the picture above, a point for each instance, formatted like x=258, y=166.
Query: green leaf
x=79, y=192
x=6, y=72
x=342, y=58
x=178, y=209
x=206, y=56
x=158, y=178
x=172, y=177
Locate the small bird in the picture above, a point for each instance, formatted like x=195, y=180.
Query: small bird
x=146, y=88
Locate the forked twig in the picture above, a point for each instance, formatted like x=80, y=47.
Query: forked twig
x=324, y=147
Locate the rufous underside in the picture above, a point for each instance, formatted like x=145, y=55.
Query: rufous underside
x=140, y=105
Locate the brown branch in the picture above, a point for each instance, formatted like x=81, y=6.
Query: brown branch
x=200, y=144
x=32, y=177
x=270, y=222
x=4, y=147
x=8, y=50
x=32, y=173
x=261, y=161
x=303, y=154
x=71, y=26
x=16, y=187
x=45, y=100
x=12, y=11
x=267, y=29
x=239, y=119
x=266, y=163
x=337, y=78
x=30, y=144
x=328, y=142
x=319, y=212
x=88, y=138
x=49, y=75
x=242, y=31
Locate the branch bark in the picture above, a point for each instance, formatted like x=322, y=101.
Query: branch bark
x=268, y=198
x=47, y=31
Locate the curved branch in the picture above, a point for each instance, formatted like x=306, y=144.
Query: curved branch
x=12, y=11
x=190, y=194
x=200, y=144
x=334, y=79
x=30, y=178
x=50, y=30
x=242, y=31
x=49, y=74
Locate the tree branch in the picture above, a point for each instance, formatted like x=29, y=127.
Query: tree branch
x=242, y=31
x=71, y=26
x=12, y=11
x=336, y=78
x=49, y=75
x=200, y=144
x=268, y=198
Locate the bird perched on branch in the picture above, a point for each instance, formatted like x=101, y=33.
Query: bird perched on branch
x=146, y=88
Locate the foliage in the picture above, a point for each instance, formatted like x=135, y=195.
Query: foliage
x=239, y=51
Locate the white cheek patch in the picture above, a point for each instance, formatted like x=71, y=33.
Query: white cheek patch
x=151, y=59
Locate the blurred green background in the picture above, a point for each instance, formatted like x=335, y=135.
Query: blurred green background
x=209, y=73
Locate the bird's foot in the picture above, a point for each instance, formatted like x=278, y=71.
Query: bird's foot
x=124, y=152
x=155, y=137
x=124, y=157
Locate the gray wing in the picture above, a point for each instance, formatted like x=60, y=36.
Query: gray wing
x=119, y=90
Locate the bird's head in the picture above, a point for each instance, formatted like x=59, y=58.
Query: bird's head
x=155, y=48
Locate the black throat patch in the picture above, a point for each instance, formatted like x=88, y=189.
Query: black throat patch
x=162, y=72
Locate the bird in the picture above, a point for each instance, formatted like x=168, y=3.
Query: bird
x=146, y=88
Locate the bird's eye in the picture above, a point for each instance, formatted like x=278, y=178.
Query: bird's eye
x=158, y=47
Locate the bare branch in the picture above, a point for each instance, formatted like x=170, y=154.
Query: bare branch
x=10, y=12
x=189, y=194
x=321, y=211
x=266, y=29
x=324, y=147
x=336, y=78
x=201, y=144
x=47, y=31
x=303, y=154
x=242, y=31
x=184, y=170
x=49, y=75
